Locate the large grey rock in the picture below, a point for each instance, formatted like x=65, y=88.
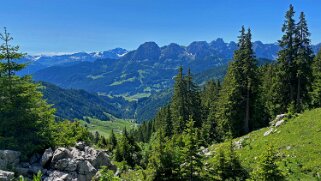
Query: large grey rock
x=268, y=132
x=47, y=155
x=58, y=176
x=279, y=117
x=80, y=146
x=66, y=164
x=84, y=167
x=9, y=159
x=60, y=153
x=279, y=123
x=100, y=159
x=77, y=154
x=6, y=176
x=76, y=163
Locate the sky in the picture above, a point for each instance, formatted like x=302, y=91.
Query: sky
x=61, y=26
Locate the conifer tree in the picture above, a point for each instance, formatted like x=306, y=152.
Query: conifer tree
x=303, y=62
x=191, y=166
x=26, y=120
x=315, y=94
x=225, y=165
x=251, y=82
x=179, y=103
x=210, y=96
x=113, y=139
x=9, y=53
x=268, y=168
x=193, y=100
x=168, y=122
x=238, y=96
x=285, y=84
x=97, y=137
x=128, y=150
x=162, y=159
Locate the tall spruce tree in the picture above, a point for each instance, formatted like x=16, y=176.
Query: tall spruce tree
x=191, y=166
x=168, y=122
x=185, y=102
x=179, y=105
x=237, y=98
x=193, y=100
x=249, y=64
x=209, y=99
x=315, y=94
x=285, y=84
x=113, y=139
x=303, y=63
x=268, y=168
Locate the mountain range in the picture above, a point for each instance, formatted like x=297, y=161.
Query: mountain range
x=38, y=62
x=136, y=75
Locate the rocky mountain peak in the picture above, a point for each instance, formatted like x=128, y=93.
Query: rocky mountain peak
x=148, y=50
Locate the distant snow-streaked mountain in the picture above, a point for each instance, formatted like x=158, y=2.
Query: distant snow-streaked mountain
x=38, y=62
x=138, y=73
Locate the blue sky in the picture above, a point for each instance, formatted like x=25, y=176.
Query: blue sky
x=47, y=26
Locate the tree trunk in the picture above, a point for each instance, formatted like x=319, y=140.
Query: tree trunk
x=247, y=109
x=298, y=97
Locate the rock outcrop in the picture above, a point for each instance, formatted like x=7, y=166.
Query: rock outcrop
x=47, y=155
x=6, y=176
x=277, y=122
x=9, y=159
x=75, y=163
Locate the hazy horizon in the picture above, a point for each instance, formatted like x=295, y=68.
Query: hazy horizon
x=73, y=26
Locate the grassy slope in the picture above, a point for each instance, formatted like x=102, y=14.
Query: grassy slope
x=105, y=127
x=298, y=142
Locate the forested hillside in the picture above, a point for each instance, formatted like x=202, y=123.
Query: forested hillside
x=73, y=103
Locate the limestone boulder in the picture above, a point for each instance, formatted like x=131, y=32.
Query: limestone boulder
x=46, y=157
x=6, y=176
x=9, y=159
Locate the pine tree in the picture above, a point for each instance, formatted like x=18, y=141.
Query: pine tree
x=225, y=165
x=210, y=96
x=315, y=94
x=97, y=137
x=285, y=84
x=162, y=159
x=127, y=149
x=303, y=63
x=9, y=53
x=26, y=120
x=268, y=169
x=193, y=100
x=238, y=96
x=168, y=122
x=266, y=107
x=192, y=164
x=251, y=82
x=179, y=103
x=113, y=139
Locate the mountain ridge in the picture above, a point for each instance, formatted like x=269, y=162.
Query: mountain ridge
x=151, y=50
x=141, y=72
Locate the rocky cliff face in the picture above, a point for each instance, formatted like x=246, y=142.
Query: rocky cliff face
x=79, y=163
